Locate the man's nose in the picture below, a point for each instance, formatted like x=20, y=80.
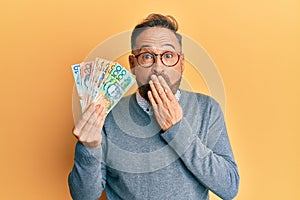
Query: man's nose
x=158, y=66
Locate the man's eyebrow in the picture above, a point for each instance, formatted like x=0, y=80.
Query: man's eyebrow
x=170, y=45
x=147, y=46
x=144, y=46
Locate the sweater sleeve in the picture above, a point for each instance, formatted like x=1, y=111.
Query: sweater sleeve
x=213, y=166
x=88, y=176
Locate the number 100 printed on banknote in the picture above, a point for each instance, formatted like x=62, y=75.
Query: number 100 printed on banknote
x=101, y=81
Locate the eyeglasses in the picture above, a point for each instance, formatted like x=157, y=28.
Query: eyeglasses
x=147, y=59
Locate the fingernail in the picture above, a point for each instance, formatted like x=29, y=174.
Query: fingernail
x=153, y=76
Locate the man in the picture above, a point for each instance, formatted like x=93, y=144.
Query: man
x=160, y=143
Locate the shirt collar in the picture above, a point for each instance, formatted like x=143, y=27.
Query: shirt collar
x=146, y=106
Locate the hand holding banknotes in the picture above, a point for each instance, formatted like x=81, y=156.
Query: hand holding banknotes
x=100, y=85
x=88, y=129
x=166, y=108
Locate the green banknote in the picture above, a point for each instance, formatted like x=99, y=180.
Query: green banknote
x=115, y=85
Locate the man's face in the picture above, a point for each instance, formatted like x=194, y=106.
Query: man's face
x=156, y=40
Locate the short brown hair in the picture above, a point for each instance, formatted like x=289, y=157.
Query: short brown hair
x=155, y=20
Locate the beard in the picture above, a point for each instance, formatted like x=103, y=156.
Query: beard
x=144, y=88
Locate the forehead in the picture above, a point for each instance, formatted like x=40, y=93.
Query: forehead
x=157, y=38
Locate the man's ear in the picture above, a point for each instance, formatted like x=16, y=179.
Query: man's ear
x=182, y=62
x=131, y=63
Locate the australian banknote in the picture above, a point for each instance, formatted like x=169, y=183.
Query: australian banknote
x=102, y=81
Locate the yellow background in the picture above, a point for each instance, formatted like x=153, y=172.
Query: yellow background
x=255, y=45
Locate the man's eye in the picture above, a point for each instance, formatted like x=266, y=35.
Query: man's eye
x=168, y=55
x=147, y=56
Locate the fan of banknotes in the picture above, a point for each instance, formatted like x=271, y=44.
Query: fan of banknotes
x=101, y=81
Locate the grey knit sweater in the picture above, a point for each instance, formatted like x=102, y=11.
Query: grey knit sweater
x=137, y=161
